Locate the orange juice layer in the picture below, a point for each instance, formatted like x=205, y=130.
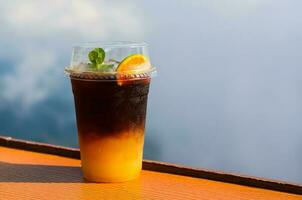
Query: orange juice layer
x=114, y=158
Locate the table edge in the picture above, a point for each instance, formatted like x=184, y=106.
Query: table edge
x=164, y=167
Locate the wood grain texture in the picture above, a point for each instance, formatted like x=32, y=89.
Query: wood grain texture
x=39, y=147
x=223, y=176
x=162, y=167
x=32, y=175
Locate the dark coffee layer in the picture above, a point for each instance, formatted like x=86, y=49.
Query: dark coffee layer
x=105, y=107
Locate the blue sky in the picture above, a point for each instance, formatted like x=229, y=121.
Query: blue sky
x=229, y=87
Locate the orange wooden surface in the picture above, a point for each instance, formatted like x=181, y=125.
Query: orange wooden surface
x=31, y=175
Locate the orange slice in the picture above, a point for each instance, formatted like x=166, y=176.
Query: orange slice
x=133, y=64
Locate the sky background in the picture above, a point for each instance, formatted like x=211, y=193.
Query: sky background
x=228, y=93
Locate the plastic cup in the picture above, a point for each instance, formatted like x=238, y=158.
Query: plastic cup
x=110, y=112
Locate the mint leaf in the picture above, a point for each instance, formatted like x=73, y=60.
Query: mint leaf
x=93, y=55
x=97, y=57
x=107, y=66
x=104, y=67
x=101, y=54
x=99, y=60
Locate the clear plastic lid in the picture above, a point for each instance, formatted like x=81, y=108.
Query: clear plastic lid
x=99, y=60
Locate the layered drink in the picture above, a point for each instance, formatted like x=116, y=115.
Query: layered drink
x=110, y=101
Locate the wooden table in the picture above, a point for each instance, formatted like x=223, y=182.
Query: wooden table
x=31, y=170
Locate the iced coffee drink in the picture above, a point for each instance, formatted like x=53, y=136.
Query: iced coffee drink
x=110, y=83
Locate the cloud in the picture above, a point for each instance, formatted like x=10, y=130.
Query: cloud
x=94, y=19
x=231, y=8
x=37, y=35
x=32, y=79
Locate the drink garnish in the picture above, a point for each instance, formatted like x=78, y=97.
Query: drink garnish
x=133, y=64
x=97, y=57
